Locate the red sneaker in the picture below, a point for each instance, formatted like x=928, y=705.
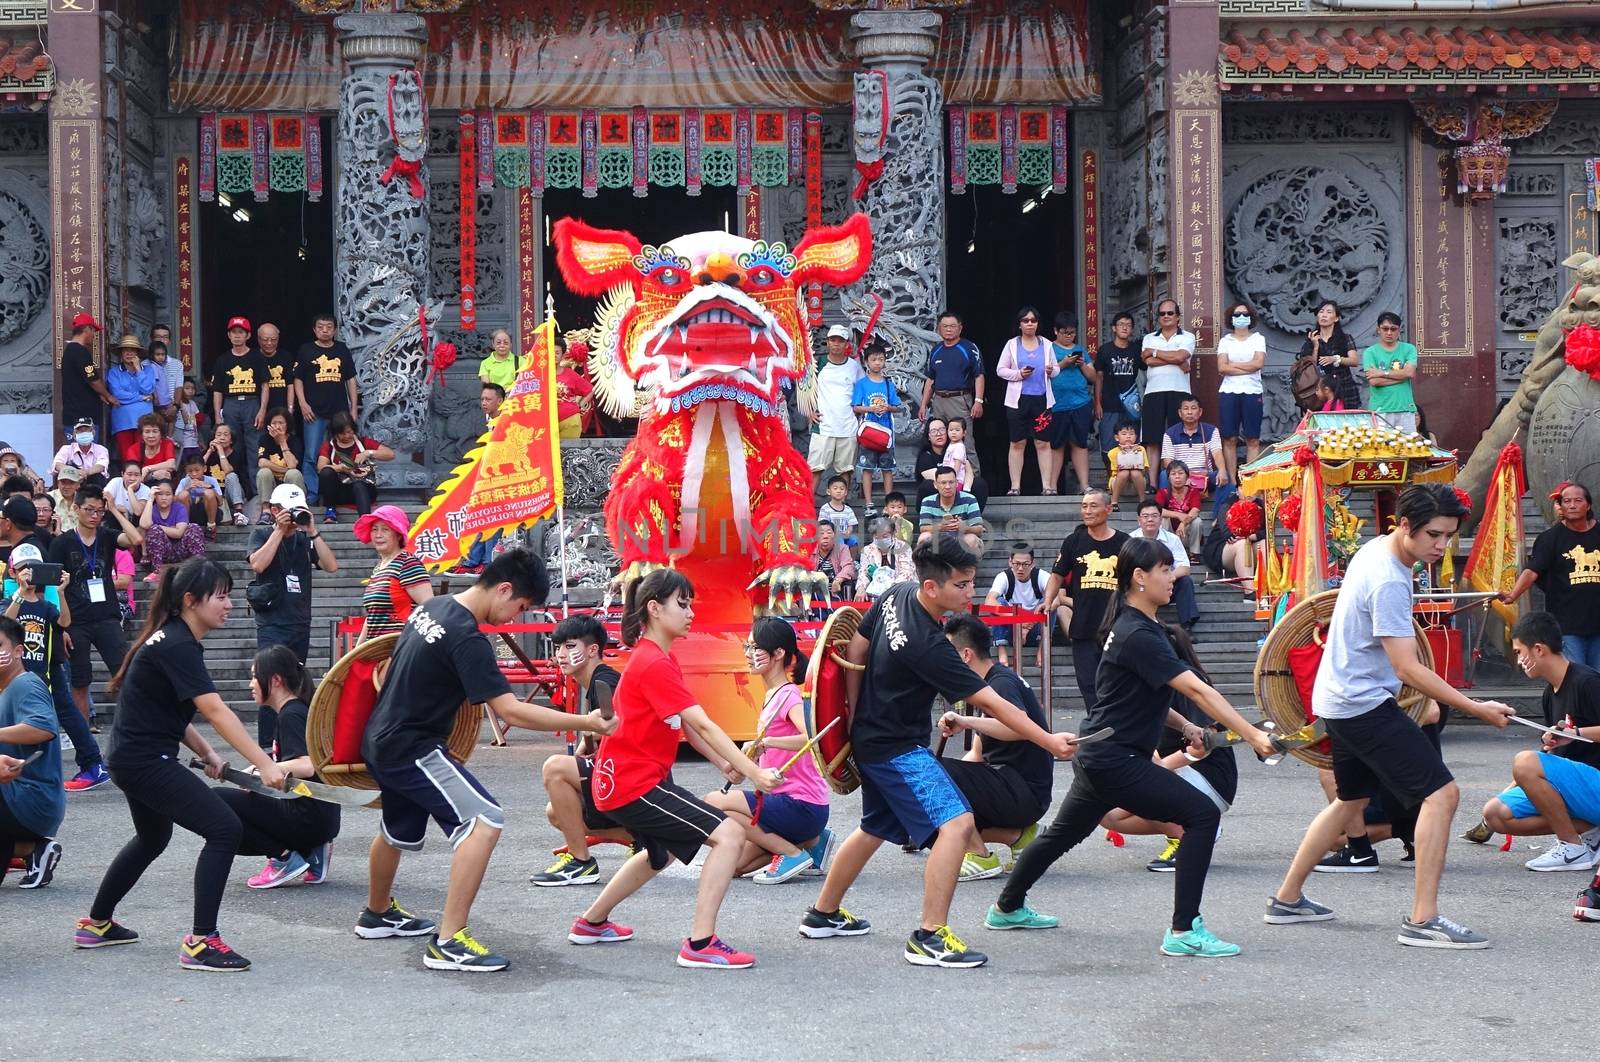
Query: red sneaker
x=715, y=956
x=607, y=932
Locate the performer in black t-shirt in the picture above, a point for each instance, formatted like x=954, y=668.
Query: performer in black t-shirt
x=1565, y=564
x=1082, y=586
x=161, y=684
x=906, y=797
x=441, y=660
x=294, y=835
x=1139, y=671
x=580, y=644
x=1006, y=779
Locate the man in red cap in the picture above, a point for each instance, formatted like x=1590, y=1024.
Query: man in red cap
x=239, y=387
x=83, y=387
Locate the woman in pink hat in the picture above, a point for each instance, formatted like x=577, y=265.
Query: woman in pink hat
x=399, y=580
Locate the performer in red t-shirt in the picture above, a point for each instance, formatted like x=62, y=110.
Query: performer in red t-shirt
x=632, y=779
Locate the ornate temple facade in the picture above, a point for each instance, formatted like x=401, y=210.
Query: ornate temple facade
x=404, y=160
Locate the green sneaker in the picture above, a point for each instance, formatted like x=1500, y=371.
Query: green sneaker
x=1199, y=942
x=1023, y=917
x=979, y=867
x=1029, y=832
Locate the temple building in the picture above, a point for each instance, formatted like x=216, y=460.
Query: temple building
x=400, y=163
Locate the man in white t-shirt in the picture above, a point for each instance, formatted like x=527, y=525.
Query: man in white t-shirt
x=833, y=420
x=1150, y=526
x=1167, y=353
x=1371, y=649
x=1021, y=586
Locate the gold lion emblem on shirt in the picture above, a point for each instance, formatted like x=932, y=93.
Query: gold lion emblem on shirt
x=1585, y=565
x=1099, y=571
x=327, y=369
x=241, y=380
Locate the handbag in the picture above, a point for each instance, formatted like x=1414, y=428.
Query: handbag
x=1131, y=403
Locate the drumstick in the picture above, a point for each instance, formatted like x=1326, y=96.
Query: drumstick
x=752, y=743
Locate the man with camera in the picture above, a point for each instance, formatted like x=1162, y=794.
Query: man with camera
x=282, y=556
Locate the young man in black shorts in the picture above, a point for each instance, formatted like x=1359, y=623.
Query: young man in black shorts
x=1371, y=650
x=579, y=642
x=441, y=660
x=1006, y=779
x=906, y=797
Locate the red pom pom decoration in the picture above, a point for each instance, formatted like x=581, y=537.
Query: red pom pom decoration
x=444, y=356
x=1304, y=455
x=1583, y=349
x=1289, y=513
x=1464, y=498
x=1244, y=519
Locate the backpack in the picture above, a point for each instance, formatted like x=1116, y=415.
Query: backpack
x=1303, y=381
x=1033, y=580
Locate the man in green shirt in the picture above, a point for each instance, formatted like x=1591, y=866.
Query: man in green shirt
x=1390, y=366
x=951, y=510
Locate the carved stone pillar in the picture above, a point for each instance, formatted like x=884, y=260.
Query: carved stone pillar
x=897, y=133
x=381, y=268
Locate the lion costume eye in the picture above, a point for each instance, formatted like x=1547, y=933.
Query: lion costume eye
x=668, y=276
x=761, y=277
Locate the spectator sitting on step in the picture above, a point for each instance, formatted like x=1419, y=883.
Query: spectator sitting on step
x=12, y=463
x=1199, y=446
x=1128, y=463
x=894, y=510
x=158, y=457
x=128, y=493
x=201, y=493
x=345, y=472
x=834, y=511
x=277, y=459
x=832, y=559
x=82, y=453
x=1150, y=514
x=222, y=460
x=170, y=537
x=45, y=507
x=950, y=511
x=68, y=480
x=1020, y=586
x=1179, y=502
x=885, y=559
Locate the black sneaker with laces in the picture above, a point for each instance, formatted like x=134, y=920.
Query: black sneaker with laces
x=841, y=923
x=462, y=952
x=41, y=864
x=395, y=922
x=210, y=955
x=1345, y=861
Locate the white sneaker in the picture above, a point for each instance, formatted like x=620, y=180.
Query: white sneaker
x=1563, y=856
x=1591, y=841
x=66, y=742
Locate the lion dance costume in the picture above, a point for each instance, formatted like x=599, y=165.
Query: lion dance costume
x=697, y=338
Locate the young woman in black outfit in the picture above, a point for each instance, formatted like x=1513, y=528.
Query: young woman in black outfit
x=161, y=684
x=294, y=835
x=1334, y=353
x=1139, y=672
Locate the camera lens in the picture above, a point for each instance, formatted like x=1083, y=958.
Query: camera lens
x=302, y=517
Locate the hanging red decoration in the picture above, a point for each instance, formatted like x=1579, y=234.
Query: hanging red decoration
x=1304, y=455
x=410, y=150
x=1464, y=498
x=1289, y=513
x=468, y=173
x=444, y=356
x=1583, y=349
x=1244, y=519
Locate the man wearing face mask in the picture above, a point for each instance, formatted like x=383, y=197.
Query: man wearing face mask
x=82, y=453
x=580, y=643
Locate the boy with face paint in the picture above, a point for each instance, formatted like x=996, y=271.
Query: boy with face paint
x=580, y=642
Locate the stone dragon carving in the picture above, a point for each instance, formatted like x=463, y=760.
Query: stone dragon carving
x=906, y=205
x=708, y=327
x=1554, y=406
x=383, y=253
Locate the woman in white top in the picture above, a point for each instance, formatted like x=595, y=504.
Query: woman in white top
x=1026, y=365
x=1240, y=356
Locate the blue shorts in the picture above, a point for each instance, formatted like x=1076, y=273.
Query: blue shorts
x=436, y=787
x=907, y=799
x=874, y=460
x=1002, y=635
x=796, y=821
x=1576, y=783
x=1070, y=425
x=1239, y=416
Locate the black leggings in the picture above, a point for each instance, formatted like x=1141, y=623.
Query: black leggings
x=1085, y=663
x=1145, y=789
x=339, y=490
x=273, y=827
x=163, y=793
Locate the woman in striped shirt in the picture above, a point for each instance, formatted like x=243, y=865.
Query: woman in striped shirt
x=399, y=580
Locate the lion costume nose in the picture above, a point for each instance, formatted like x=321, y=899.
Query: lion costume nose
x=720, y=268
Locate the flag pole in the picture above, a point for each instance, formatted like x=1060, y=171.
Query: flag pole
x=561, y=509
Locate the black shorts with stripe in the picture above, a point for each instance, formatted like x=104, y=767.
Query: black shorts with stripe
x=593, y=817
x=669, y=821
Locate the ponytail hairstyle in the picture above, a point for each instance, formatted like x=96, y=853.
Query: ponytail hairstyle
x=1138, y=554
x=661, y=585
x=279, y=662
x=198, y=578
x=773, y=635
